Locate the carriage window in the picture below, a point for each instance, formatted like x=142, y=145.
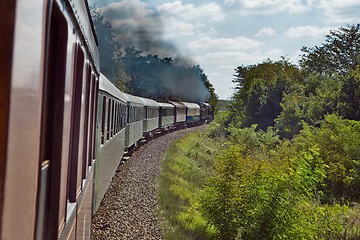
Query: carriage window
x=96, y=88
x=123, y=115
x=103, y=119
x=75, y=125
x=117, y=117
x=86, y=133
x=92, y=118
x=108, y=121
x=112, y=118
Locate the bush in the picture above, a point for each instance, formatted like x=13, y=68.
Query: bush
x=272, y=199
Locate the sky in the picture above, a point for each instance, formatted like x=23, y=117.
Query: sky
x=220, y=35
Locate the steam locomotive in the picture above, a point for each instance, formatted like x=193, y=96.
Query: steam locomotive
x=64, y=126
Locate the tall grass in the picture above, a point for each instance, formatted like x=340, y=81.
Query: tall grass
x=184, y=171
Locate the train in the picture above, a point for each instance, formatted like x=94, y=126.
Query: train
x=124, y=120
x=64, y=126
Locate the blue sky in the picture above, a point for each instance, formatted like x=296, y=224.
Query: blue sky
x=221, y=35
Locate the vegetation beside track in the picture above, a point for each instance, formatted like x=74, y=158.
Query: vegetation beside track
x=285, y=156
x=184, y=171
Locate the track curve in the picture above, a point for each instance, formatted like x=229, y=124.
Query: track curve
x=129, y=208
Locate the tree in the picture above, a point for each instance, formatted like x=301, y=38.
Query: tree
x=309, y=103
x=213, y=100
x=340, y=54
x=260, y=89
x=164, y=79
x=109, y=50
x=339, y=57
x=338, y=141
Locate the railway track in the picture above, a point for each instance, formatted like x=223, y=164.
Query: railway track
x=129, y=209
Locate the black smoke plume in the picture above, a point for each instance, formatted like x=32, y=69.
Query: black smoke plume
x=138, y=27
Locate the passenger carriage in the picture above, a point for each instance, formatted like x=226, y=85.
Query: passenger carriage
x=151, y=117
x=112, y=120
x=49, y=85
x=166, y=115
x=192, y=113
x=135, y=117
x=179, y=114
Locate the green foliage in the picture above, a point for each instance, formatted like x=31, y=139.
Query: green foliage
x=276, y=198
x=220, y=199
x=339, y=141
x=183, y=174
x=349, y=100
x=255, y=143
x=164, y=79
x=310, y=102
x=339, y=57
x=339, y=54
x=109, y=50
x=261, y=187
x=291, y=164
x=280, y=94
x=217, y=128
x=260, y=89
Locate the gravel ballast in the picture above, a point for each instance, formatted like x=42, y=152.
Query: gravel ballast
x=129, y=208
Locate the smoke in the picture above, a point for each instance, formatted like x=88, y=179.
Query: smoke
x=137, y=23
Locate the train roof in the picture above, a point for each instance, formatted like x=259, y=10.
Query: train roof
x=133, y=99
x=191, y=105
x=107, y=86
x=167, y=105
x=177, y=104
x=149, y=102
x=83, y=18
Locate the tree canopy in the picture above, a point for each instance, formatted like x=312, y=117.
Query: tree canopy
x=280, y=94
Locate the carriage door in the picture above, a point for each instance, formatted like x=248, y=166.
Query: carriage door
x=52, y=128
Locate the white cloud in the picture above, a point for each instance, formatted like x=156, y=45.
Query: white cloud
x=335, y=11
x=338, y=3
x=189, y=19
x=231, y=57
x=209, y=11
x=340, y=11
x=274, y=53
x=306, y=32
x=213, y=44
x=266, y=32
x=226, y=67
x=175, y=28
x=247, y=7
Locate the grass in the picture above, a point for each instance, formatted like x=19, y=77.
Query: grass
x=184, y=171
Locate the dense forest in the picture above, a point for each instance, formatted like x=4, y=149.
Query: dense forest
x=288, y=166
x=136, y=72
